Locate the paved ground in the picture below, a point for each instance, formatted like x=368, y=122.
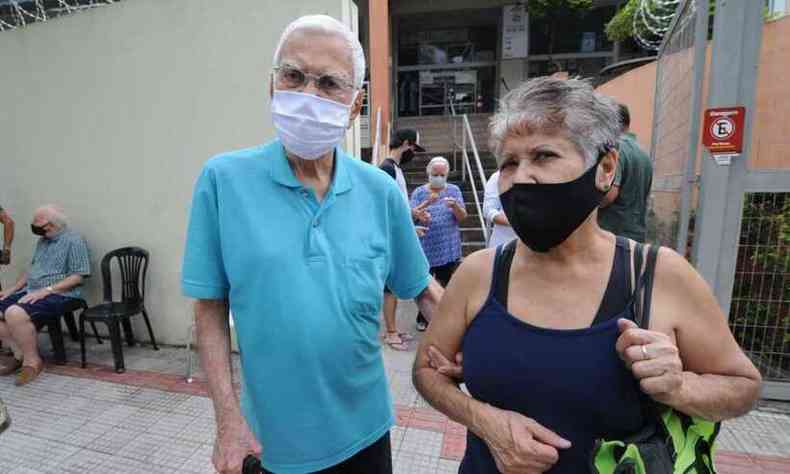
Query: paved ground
x=149, y=420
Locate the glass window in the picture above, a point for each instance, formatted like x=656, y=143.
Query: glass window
x=447, y=46
x=574, y=34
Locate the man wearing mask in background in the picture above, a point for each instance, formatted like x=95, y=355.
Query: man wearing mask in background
x=60, y=265
x=403, y=144
x=623, y=210
x=299, y=239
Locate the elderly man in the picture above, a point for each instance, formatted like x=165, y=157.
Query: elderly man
x=60, y=263
x=299, y=240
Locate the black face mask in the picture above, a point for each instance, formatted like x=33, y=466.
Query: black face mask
x=406, y=156
x=38, y=230
x=544, y=215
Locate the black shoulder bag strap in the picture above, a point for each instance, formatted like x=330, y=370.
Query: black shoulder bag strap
x=644, y=295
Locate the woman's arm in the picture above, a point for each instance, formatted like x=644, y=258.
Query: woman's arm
x=707, y=374
x=445, y=333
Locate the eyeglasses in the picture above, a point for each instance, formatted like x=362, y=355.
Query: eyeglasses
x=294, y=78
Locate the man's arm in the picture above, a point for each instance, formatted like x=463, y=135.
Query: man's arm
x=67, y=284
x=428, y=300
x=64, y=285
x=234, y=439
x=212, y=323
x=8, y=236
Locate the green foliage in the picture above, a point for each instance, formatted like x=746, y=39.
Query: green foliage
x=621, y=26
x=761, y=296
x=557, y=8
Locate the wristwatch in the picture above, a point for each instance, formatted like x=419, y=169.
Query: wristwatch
x=50, y=289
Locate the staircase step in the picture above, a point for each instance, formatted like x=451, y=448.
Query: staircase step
x=468, y=248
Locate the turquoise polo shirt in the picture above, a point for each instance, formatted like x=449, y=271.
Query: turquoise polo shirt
x=305, y=281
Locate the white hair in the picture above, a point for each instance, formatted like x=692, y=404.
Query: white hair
x=436, y=160
x=330, y=26
x=54, y=215
x=571, y=107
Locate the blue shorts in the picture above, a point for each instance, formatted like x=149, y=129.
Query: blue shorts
x=45, y=308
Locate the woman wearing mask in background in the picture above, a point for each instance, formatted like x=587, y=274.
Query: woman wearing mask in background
x=551, y=355
x=439, y=206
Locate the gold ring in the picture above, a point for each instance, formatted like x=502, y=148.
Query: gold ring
x=644, y=352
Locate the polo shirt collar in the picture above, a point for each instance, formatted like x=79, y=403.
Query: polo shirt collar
x=284, y=175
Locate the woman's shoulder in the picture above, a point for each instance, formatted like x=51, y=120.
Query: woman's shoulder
x=478, y=263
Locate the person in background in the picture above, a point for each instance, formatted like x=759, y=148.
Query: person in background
x=624, y=208
x=8, y=236
x=304, y=289
x=60, y=264
x=501, y=232
x=403, y=144
x=441, y=243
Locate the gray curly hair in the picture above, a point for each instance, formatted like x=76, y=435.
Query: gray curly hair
x=567, y=106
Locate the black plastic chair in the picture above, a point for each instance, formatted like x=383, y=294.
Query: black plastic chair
x=56, y=331
x=133, y=265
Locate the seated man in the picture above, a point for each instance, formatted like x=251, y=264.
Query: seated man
x=60, y=263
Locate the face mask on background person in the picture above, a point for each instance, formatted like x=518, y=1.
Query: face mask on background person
x=438, y=181
x=38, y=230
x=309, y=126
x=544, y=215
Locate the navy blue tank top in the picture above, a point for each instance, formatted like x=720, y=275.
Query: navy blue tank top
x=570, y=381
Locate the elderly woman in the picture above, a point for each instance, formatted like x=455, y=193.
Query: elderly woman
x=439, y=207
x=551, y=355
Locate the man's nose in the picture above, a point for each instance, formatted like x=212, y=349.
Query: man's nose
x=311, y=86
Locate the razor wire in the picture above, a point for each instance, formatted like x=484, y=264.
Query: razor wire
x=20, y=13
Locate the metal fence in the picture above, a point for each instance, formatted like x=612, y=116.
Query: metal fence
x=760, y=310
x=680, y=72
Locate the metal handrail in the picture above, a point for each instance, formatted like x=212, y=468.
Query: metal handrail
x=377, y=141
x=467, y=134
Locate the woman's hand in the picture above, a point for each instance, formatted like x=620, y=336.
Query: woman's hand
x=438, y=361
x=520, y=445
x=653, y=359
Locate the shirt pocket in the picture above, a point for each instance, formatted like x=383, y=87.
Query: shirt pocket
x=364, y=283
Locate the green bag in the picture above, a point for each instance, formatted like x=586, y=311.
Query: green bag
x=671, y=442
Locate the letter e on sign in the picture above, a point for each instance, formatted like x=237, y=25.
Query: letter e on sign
x=722, y=132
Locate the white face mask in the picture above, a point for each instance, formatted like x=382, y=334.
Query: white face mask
x=308, y=126
x=438, y=181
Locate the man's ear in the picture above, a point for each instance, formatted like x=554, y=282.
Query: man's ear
x=356, y=107
x=271, y=86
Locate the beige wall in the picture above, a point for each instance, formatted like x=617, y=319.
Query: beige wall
x=112, y=112
x=636, y=89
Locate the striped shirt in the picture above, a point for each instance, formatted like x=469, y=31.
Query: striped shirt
x=56, y=259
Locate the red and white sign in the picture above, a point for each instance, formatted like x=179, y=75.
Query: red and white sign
x=722, y=132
